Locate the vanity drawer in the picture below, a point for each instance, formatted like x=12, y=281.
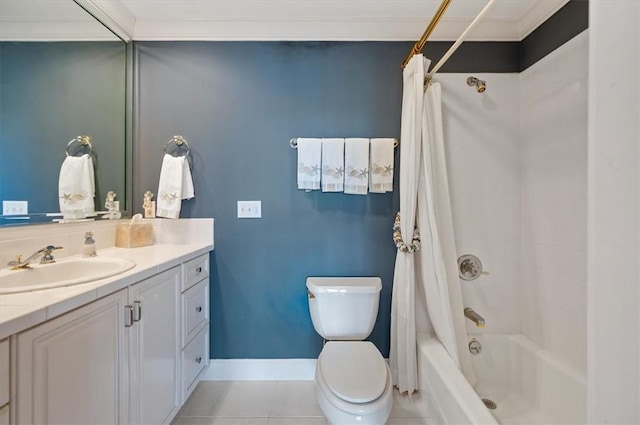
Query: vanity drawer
x=195, y=357
x=4, y=372
x=195, y=309
x=194, y=271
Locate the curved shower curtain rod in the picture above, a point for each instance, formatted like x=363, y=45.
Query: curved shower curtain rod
x=418, y=46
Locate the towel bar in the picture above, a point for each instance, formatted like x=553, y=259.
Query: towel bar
x=294, y=143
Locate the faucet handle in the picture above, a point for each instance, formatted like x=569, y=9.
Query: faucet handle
x=47, y=258
x=17, y=264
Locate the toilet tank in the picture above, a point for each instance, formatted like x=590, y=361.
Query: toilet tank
x=344, y=308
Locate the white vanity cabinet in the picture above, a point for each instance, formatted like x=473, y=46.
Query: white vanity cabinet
x=4, y=382
x=131, y=357
x=154, y=344
x=73, y=369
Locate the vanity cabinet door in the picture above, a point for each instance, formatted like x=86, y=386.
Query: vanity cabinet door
x=155, y=348
x=72, y=369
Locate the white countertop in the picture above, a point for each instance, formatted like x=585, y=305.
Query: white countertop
x=24, y=310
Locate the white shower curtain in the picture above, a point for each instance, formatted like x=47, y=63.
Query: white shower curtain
x=424, y=192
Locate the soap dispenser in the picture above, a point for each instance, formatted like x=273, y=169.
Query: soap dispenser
x=89, y=249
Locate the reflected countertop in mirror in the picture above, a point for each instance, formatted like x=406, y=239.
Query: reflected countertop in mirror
x=62, y=75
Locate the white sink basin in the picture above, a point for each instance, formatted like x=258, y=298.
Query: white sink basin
x=63, y=273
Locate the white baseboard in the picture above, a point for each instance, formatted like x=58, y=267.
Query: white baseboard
x=260, y=370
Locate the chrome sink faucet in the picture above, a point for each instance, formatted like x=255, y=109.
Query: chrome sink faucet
x=45, y=255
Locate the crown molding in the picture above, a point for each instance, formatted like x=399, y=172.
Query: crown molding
x=117, y=17
x=113, y=14
x=352, y=29
x=325, y=30
x=537, y=15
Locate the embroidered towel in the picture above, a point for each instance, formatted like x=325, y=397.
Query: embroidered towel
x=175, y=185
x=381, y=169
x=332, y=165
x=309, y=159
x=76, y=187
x=356, y=166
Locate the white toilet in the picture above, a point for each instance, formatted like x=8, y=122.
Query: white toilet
x=353, y=381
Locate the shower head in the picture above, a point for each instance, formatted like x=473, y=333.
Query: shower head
x=480, y=85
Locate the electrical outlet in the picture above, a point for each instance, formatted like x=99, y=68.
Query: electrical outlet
x=249, y=209
x=15, y=207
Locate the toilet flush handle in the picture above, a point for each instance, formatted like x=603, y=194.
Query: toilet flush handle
x=310, y=294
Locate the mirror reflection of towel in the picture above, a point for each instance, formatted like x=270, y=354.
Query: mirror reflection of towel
x=175, y=185
x=76, y=187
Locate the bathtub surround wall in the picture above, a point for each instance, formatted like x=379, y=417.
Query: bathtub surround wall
x=553, y=114
x=517, y=157
x=481, y=138
x=614, y=214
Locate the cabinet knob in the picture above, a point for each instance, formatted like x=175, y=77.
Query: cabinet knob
x=198, y=309
x=198, y=360
x=199, y=270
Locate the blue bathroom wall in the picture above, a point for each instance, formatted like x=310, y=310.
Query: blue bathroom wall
x=238, y=105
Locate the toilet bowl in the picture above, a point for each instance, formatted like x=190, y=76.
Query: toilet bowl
x=353, y=381
x=353, y=384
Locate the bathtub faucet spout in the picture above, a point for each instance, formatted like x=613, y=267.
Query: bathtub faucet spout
x=470, y=314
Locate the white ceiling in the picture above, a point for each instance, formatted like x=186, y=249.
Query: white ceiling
x=301, y=19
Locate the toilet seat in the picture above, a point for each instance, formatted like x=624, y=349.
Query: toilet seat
x=354, y=371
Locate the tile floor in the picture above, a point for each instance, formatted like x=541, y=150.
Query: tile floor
x=273, y=403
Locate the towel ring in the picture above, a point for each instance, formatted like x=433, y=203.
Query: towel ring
x=83, y=140
x=294, y=143
x=178, y=141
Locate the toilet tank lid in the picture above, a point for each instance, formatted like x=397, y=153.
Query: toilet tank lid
x=353, y=285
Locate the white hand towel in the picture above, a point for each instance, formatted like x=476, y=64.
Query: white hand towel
x=309, y=159
x=76, y=187
x=332, y=165
x=381, y=169
x=175, y=185
x=356, y=165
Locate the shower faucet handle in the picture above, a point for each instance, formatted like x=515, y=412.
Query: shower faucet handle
x=470, y=267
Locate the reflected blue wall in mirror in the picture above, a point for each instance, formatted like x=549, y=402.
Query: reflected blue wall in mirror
x=51, y=92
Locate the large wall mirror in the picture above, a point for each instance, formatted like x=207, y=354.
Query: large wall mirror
x=62, y=74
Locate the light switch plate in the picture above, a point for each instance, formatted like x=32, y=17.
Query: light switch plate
x=249, y=209
x=15, y=207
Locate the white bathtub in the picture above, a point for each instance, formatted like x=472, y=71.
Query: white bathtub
x=528, y=385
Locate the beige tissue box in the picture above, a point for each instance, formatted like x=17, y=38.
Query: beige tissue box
x=134, y=235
